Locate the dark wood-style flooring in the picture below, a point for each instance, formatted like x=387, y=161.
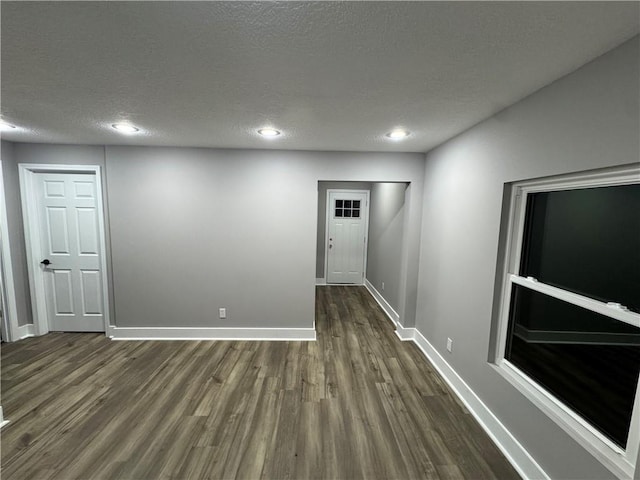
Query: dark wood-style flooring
x=357, y=403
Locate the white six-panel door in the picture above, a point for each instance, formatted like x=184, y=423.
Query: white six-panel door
x=70, y=250
x=346, y=239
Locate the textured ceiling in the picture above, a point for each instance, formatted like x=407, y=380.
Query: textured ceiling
x=330, y=75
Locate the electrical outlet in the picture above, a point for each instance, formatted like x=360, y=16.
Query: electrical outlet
x=222, y=312
x=382, y=285
x=449, y=345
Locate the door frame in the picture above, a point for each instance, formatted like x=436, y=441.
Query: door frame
x=326, y=230
x=27, y=173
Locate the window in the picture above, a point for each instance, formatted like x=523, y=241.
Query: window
x=570, y=307
x=347, y=209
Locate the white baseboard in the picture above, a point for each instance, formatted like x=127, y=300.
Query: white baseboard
x=321, y=281
x=405, y=334
x=25, y=331
x=214, y=333
x=524, y=463
x=388, y=309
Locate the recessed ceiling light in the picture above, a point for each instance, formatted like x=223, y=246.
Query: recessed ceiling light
x=125, y=128
x=6, y=127
x=398, y=134
x=269, y=132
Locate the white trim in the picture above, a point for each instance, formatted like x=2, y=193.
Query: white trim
x=32, y=239
x=515, y=453
x=321, y=281
x=102, y=231
x=328, y=211
x=618, y=461
x=7, y=286
x=3, y=422
x=388, y=309
x=32, y=243
x=625, y=175
x=633, y=439
x=605, y=451
x=25, y=331
x=602, y=308
x=405, y=334
x=520, y=205
x=211, y=333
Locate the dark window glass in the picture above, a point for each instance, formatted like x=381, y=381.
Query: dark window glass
x=355, y=213
x=347, y=204
x=338, y=212
x=589, y=361
x=586, y=241
x=338, y=203
x=356, y=204
x=347, y=213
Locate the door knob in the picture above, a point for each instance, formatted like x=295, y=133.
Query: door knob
x=45, y=262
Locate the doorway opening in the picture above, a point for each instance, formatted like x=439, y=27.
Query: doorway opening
x=380, y=234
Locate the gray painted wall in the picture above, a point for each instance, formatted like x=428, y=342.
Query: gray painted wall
x=193, y=230
x=322, y=217
x=12, y=155
x=15, y=235
x=386, y=224
x=584, y=121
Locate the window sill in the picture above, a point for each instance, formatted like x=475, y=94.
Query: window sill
x=606, y=452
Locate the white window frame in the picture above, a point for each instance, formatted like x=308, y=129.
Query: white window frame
x=621, y=462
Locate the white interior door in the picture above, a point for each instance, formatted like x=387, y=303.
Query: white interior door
x=70, y=250
x=347, y=215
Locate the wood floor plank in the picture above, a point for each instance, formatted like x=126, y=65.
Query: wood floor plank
x=356, y=404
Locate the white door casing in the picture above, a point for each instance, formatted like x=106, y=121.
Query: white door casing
x=64, y=226
x=347, y=227
x=3, y=320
